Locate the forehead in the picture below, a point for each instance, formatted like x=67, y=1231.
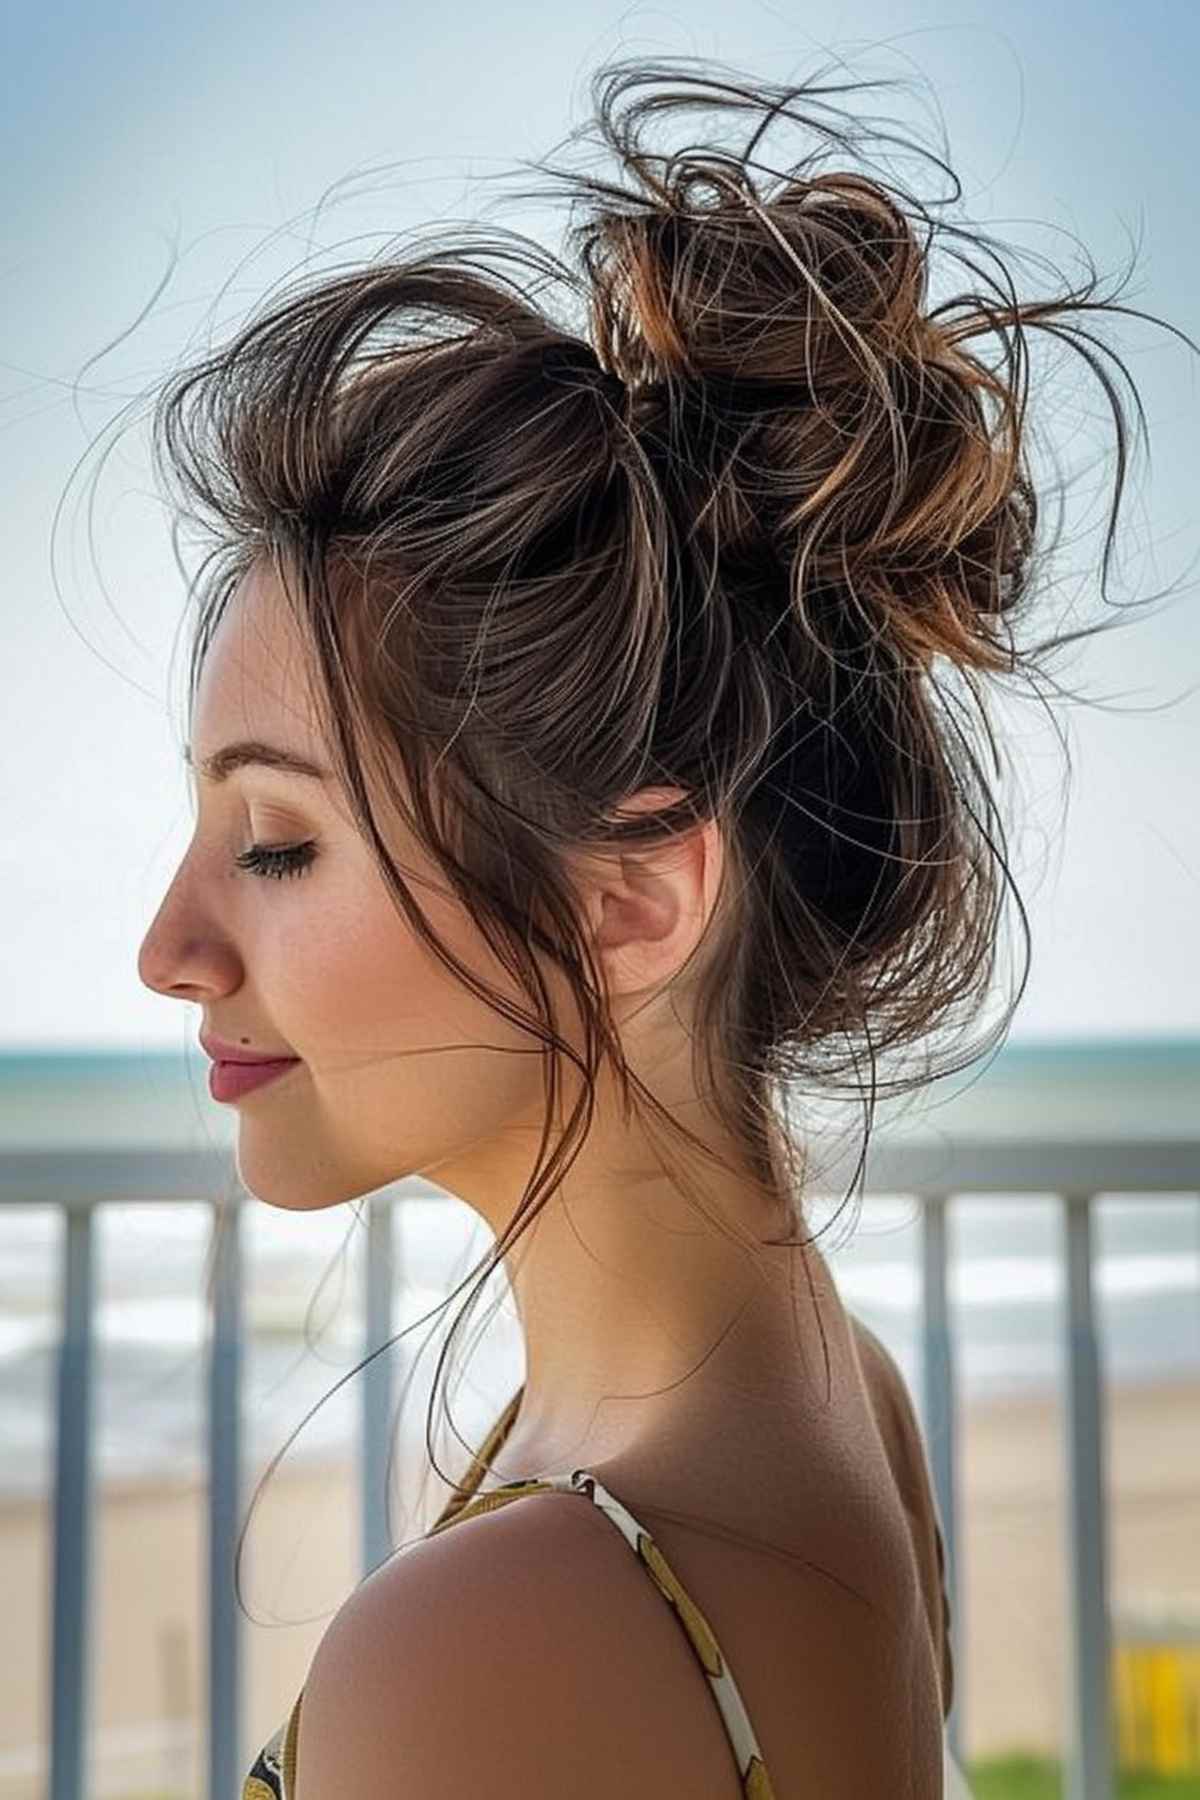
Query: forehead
x=255, y=679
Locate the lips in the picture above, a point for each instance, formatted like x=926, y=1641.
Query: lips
x=230, y=1080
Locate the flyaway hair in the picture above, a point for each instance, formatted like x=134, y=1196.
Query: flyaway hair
x=722, y=498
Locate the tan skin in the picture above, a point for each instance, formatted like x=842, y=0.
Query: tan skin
x=657, y=1355
x=621, y=1287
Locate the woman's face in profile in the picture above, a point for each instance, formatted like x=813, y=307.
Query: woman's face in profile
x=402, y=1070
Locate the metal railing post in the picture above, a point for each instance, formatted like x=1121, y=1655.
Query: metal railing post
x=225, y=1749
x=379, y=1282
x=74, y=1516
x=1090, y=1766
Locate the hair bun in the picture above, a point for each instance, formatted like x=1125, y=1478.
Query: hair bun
x=782, y=334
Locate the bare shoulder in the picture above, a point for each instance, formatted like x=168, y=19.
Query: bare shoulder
x=908, y=1457
x=524, y=1652
x=888, y=1392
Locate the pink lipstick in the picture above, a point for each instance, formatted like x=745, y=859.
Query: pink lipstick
x=230, y=1080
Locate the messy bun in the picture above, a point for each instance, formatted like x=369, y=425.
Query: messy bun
x=833, y=422
x=747, y=516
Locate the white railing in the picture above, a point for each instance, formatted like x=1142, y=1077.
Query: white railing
x=79, y=1180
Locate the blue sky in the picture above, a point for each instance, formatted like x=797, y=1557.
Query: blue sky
x=136, y=132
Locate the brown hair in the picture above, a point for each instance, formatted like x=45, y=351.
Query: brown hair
x=748, y=516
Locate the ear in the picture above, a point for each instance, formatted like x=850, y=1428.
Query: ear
x=648, y=906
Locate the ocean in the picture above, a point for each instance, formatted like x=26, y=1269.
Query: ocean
x=303, y=1311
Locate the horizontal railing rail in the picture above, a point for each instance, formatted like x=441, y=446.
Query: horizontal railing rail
x=976, y=1165
x=934, y=1172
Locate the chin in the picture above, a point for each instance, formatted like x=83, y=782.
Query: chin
x=292, y=1183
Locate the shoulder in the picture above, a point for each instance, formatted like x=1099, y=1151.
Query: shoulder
x=877, y=1360
x=904, y=1442
x=507, y=1656
x=891, y=1402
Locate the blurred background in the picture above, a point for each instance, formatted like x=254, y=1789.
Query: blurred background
x=163, y=167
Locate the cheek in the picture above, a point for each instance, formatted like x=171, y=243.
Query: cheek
x=404, y=1058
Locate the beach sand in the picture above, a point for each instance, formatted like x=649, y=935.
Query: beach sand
x=300, y=1562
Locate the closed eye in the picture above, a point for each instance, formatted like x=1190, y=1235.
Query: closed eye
x=268, y=861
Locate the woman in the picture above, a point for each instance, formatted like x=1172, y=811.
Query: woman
x=576, y=712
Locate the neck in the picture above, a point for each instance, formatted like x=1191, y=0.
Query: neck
x=647, y=1332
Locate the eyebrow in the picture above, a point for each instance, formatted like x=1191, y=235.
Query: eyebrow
x=222, y=763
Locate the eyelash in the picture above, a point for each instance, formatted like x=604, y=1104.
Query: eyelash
x=291, y=859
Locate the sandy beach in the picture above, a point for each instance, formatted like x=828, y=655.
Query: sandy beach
x=300, y=1563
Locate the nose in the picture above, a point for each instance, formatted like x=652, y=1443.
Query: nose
x=184, y=955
